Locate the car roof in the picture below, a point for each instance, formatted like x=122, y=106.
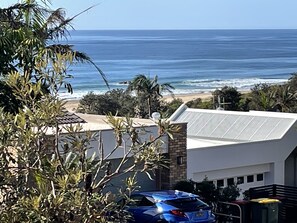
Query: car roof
x=167, y=194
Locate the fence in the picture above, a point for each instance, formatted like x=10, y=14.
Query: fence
x=286, y=194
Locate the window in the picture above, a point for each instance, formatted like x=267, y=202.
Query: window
x=240, y=180
x=230, y=181
x=140, y=200
x=250, y=178
x=260, y=177
x=220, y=183
x=147, y=201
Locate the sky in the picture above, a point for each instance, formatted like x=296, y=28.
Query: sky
x=179, y=14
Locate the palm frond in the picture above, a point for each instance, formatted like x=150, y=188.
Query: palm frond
x=78, y=56
x=57, y=25
x=27, y=29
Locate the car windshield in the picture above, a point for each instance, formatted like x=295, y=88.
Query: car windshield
x=187, y=203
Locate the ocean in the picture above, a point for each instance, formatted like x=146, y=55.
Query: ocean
x=193, y=61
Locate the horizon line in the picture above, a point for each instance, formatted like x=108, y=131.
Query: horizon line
x=169, y=29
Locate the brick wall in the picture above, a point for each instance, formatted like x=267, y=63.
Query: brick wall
x=177, y=152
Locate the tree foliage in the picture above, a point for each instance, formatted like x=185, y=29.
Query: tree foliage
x=199, y=103
x=168, y=108
x=98, y=104
x=184, y=185
x=8, y=102
x=280, y=97
x=262, y=98
x=47, y=174
x=228, y=96
x=116, y=101
x=149, y=91
x=29, y=33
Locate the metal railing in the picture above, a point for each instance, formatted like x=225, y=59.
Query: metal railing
x=227, y=214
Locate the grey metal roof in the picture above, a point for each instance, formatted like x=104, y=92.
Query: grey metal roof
x=69, y=118
x=235, y=126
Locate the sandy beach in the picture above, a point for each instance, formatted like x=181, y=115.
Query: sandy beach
x=188, y=97
x=71, y=105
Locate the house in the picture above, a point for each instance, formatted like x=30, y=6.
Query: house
x=248, y=148
x=173, y=149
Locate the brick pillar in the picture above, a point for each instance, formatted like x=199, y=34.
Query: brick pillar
x=177, y=152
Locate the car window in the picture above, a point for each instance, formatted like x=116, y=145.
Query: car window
x=140, y=200
x=187, y=203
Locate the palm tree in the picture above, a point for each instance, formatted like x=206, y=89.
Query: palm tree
x=148, y=89
x=266, y=101
x=30, y=31
x=285, y=98
x=29, y=35
x=262, y=97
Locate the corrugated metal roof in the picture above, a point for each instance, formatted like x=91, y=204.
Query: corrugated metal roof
x=235, y=126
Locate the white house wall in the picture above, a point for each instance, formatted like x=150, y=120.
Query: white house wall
x=109, y=142
x=229, y=156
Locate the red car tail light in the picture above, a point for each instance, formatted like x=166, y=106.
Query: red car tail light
x=178, y=213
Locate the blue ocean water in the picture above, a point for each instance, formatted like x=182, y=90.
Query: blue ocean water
x=191, y=60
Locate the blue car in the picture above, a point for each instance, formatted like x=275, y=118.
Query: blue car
x=169, y=206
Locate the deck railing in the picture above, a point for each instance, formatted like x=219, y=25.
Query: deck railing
x=286, y=194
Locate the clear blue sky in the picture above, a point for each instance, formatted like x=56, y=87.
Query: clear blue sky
x=180, y=14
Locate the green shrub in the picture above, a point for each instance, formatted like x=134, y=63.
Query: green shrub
x=168, y=108
x=185, y=185
x=116, y=102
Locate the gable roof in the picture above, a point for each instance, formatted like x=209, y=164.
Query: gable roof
x=234, y=126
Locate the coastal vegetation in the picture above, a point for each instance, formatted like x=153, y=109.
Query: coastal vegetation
x=116, y=102
x=261, y=97
x=141, y=98
x=46, y=177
